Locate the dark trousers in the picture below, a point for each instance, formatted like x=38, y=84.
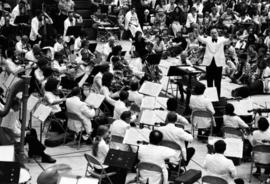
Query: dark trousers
x=214, y=75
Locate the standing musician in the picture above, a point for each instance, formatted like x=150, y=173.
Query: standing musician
x=39, y=20
x=72, y=20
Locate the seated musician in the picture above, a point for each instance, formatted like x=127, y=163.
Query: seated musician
x=38, y=21
x=72, y=20
x=134, y=95
x=100, y=151
x=34, y=54
x=116, y=51
x=107, y=48
x=120, y=105
x=199, y=102
x=119, y=127
x=132, y=22
x=178, y=135
x=59, y=44
x=156, y=154
x=9, y=62
x=107, y=79
x=160, y=19
x=230, y=119
x=52, y=97
x=159, y=45
x=58, y=64
x=78, y=41
x=23, y=46
x=139, y=44
x=38, y=73
x=12, y=124
x=75, y=105
x=172, y=106
x=177, y=44
x=218, y=165
x=260, y=136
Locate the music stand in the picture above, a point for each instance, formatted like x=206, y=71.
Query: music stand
x=154, y=59
x=9, y=172
x=21, y=19
x=73, y=30
x=120, y=159
x=92, y=47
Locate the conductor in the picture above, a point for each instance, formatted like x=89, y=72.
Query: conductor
x=214, y=58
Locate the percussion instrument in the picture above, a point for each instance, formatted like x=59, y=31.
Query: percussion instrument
x=24, y=176
x=52, y=174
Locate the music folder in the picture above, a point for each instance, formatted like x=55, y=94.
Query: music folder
x=73, y=30
x=121, y=159
x=95, y=100
x=9, y=172
x=150, y=88
x=42, y=112
x=21, y=19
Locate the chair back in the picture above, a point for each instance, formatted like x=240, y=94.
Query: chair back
x=150, y=167
x=232, y=132
x=171, y=144
x=91, y=160
x=117, y=139
x=203, y=114
x=213, y=180
x=261, y=154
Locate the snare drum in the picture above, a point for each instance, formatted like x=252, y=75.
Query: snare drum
x=24, y=176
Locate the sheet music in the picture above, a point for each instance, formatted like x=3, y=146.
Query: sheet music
x=242, y=106
x=160, y=116
x=150, y=88
x=74, y=180
x=234, y=146
x=88, y=181
x=7, y=153
x=148, y=117
x=148, y=102
x=211, y=93
x=95, y=100
x=67, y=180
x=134, y=134
x=161, y=102
x=32, y=102
x=42, y=112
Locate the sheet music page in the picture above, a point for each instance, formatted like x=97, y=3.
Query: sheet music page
x=160, y=116
x=88, y=181
x=242, y=106
x=67, y=180
x=7, y=153
x=135, y=134
x=161, y=102
x=150, y=88
x=211, y=93
x=234, y=147
x=42, y=112
x=95, y=100
x=32, y=102
x=148, y=117
x=148, y=102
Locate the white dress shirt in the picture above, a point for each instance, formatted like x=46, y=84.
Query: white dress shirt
x=77, y=44
x=219, y=165
x=20, y=47
x=214, y=50
x=30, y=56
x=191, y=19
x=15, y=12
x=178, y=135
x=58, y=47
x=258, y=136
x=35, y=26
x=234, y=122
x=76, y=106
x=266, y=79
x=156, y=155
x=199, y=102
x=51, y=98
x=119, y=108
x=136, y=97
x=11, y=66
x=118, y=128
x=103, y=149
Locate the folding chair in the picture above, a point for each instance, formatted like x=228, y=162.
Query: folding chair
x=213, y=180
x=90, y=169
x=202, y=114
x=72, y=116
x=176, y=147
x=232, y=132
x=148, y=167
x=260, y=158
x=117, y=139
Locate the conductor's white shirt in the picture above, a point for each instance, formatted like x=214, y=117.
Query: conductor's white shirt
x=214, y=50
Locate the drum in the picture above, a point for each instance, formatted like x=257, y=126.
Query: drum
x=24, y=176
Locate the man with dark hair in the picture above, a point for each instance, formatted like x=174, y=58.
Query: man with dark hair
x=178, y=135
x=134, y=95
x=120, y=105
x=218, y=164
x=156, y=154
